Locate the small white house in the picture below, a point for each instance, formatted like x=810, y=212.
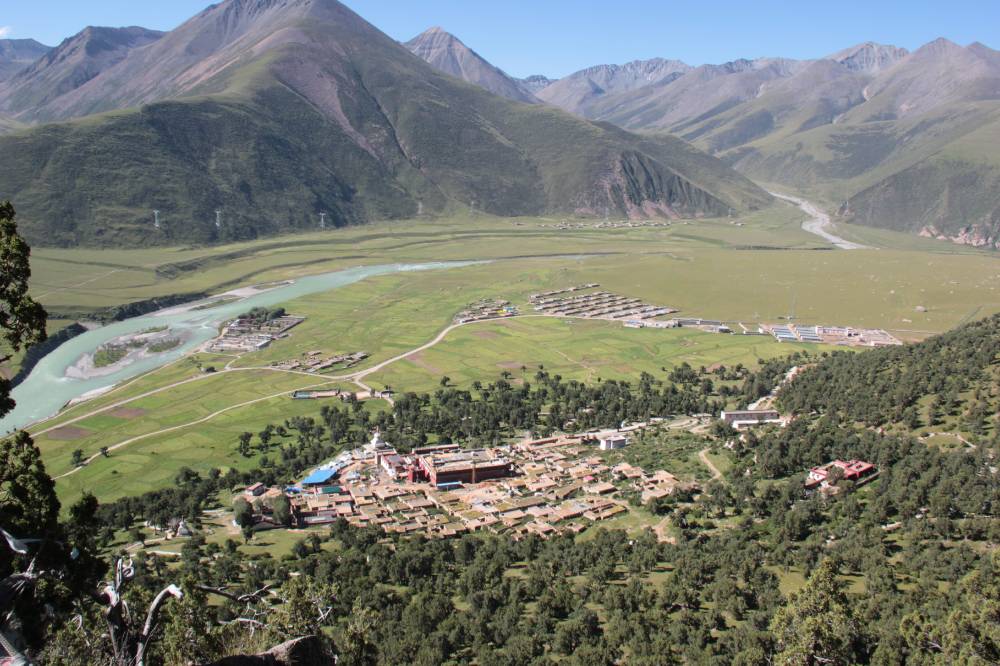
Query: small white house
x=611, y=442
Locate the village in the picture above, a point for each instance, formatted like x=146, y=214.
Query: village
x=595, y=305
x=555, y=485
x=543, y=486
x=317, y=361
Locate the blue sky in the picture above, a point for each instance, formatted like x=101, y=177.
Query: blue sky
x=556, y=37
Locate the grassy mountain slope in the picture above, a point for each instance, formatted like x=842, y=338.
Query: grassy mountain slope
x=891, y=133
x=326, y=114
x=934, y=173
x=696, y=95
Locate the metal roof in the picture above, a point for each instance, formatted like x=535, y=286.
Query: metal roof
x=320, y=476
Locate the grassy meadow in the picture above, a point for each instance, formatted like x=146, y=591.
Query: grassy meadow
x=574, y=348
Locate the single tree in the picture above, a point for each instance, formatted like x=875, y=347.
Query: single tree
x=28, y=503
x=818, y=625
x=22, y=320
x=282, y=509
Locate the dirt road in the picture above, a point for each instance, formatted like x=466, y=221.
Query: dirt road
x=716, y=474
x=819, y=223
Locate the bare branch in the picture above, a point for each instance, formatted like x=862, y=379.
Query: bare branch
x=154, y=612
x=242, y=598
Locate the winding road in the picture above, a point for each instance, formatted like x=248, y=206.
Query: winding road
x=819, y=223
x=707, y=462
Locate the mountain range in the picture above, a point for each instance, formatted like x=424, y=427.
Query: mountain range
x=274, y=111
x=887, y=137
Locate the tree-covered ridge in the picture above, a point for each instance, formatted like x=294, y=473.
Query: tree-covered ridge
x=952, y=374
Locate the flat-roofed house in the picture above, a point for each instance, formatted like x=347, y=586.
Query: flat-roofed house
x=611, y=442
x=746, y=418
x=466, y=466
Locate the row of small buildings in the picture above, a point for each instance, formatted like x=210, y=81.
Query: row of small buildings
x=246, y=334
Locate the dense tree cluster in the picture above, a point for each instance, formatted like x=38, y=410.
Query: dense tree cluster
x=492, y=413
x=956, y=369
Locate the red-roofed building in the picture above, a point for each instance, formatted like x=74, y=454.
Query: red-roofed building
x=854, y=470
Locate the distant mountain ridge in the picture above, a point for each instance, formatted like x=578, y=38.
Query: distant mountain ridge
x=578, y=92
x=275, y=111
x=535, y=82
x=894, y=139
x=16, y=54
x=69, y=66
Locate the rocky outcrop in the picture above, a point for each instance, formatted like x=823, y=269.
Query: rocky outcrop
x=869, y=57
x=643, y=190
x=536, y=82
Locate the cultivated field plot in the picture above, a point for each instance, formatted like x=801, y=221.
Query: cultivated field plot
x=180, y=405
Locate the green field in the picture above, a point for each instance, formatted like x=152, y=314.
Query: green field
x=153, y=462
x=90, y=279
x=707, y=267
x=574, y=348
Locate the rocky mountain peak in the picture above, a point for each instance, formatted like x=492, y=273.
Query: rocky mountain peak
x=869, y=57
x=450, y=55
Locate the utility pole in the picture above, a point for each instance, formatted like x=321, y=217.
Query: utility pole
x=156, y=219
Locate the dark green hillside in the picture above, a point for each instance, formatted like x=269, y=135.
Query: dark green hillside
x=948, y=382
x=329, y=115
x=271, y=164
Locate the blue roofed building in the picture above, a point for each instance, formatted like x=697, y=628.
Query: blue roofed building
x=320, y=477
